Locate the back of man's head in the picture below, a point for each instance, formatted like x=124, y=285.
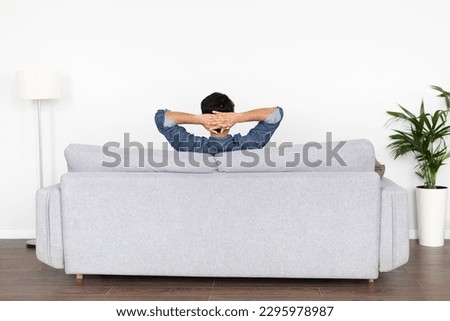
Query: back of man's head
x=217, y=101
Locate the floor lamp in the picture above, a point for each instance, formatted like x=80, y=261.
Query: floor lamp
x=38, y=85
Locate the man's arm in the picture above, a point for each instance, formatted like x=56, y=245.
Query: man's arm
x=183, y=118
x=178, y=137
x=260, y=135
x=227, y=120
x=209, y=121
x=219, y=119
x=259, y=114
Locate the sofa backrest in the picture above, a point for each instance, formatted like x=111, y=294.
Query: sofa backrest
x=348, y=156
x=90, y=158
x=352, y=155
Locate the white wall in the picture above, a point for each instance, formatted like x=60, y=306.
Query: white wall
x=333, y=65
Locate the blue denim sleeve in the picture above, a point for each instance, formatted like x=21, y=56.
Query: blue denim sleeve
x=177, y=136
x=260, y=135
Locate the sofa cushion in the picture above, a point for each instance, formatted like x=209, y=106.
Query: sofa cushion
x=352, y=155
x=90, y=158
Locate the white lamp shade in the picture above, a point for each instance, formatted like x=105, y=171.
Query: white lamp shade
x=38, y=84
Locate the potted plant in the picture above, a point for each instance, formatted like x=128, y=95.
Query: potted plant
x=424, y=136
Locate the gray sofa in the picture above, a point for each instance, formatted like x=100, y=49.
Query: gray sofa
x=237, y=214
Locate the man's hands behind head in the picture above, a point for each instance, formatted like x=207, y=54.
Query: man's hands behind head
x=218, y=121
x=226, y=120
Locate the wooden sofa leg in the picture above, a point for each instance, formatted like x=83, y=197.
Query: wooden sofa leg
x=79, y=276
x=371, y=280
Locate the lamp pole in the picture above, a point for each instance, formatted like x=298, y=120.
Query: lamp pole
x=32, y=243
x=41, y=169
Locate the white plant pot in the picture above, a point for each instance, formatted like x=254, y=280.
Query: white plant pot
x=431, y=212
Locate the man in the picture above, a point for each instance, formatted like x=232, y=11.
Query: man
x=218, y=117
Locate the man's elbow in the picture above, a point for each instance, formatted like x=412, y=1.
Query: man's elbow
x=159, y=120
x=162, y=121
x=275, y=117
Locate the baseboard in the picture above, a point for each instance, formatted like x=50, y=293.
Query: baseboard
x=414, y=235
x=17, y=234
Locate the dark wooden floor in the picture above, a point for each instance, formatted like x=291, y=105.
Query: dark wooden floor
x=22, y=277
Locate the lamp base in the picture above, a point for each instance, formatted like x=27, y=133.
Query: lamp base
x=31, y=244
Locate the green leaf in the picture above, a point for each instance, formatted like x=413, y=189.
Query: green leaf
x=444, y=94
x=410, y=114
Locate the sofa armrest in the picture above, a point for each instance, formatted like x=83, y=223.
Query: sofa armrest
x=394, y=238
x=49, y=245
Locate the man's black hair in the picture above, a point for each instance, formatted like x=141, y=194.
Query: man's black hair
x=217, y=101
